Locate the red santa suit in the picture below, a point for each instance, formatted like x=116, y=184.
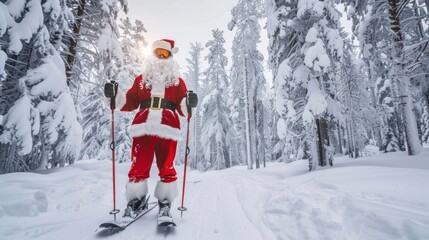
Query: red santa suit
x=155, y=131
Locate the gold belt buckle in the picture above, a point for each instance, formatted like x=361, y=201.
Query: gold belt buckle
x=158, y=106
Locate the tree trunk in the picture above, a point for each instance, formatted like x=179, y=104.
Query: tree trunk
x=378, y=127
x=249, y=158
x=226, y=157
x=340, y=145
x=311, y=140
x=427, y=96
x=73, y=42
x=399, y=127
x=402, y=83
x=261, y=135
x=351, y=140
x=257, y=134
x=213, y=150
x=44, y=154
x=344, y=139
x=322, y=140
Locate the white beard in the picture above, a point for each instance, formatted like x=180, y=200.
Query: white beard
x=160, y=71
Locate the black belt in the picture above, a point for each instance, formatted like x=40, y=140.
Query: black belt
x=157, y=103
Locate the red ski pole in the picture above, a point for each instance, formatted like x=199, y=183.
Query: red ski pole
x=182, y=208
x=112, y=147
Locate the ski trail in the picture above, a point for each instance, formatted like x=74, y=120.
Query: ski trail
x=214, y=212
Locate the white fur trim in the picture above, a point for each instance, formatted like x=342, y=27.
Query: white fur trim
x=135, y=190
x=166, y=190
x=155, y=129
x=154, y=116
x=120, y=100
x=161, y=44
x=158, y=89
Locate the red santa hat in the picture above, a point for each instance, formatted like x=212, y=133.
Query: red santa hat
x=166, y=44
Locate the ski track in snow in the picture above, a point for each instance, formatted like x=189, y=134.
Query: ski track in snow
x=379, y=197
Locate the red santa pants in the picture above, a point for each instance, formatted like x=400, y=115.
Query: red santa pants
x=144, y=149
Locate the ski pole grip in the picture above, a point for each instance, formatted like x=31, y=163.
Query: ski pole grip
x=112, y=100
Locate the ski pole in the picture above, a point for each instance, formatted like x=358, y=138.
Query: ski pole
x=182, y=208
x=112, y=147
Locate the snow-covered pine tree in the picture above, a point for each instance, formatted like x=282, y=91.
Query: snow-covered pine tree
x=392, y=132
x=417, y=53
x=387, y=27
x=214, y=110
x=139, y=42
x=137, y=34
x=401, y=81
x=305, y=49
x=247, y=79
x=271, y=137
x=100, y=57
x=194, y=78
x=371, y=35
x=82, y=43
x=360, y=118
x=40, y=124
x=71, y=41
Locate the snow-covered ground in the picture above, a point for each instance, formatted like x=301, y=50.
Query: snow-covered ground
x=380, y=197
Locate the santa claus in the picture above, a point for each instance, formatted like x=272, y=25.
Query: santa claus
x=161, y=96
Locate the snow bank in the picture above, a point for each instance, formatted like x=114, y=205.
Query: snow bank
x=372, y=198
x=20, y=198
x=358, y=203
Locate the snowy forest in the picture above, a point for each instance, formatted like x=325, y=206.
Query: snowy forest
x=329, y=91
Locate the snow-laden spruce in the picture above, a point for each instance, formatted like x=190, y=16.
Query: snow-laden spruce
x=393, y=39
x=101, y=59
x=40, y=121
x=360, y=116
x=305, y=50
x=248, y=83
x=215, y=114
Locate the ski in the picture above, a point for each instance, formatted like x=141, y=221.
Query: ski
x=124, y=222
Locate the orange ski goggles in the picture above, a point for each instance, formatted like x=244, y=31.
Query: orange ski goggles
x=162, y=53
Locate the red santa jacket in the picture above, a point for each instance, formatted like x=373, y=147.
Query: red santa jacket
x=155, y=122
